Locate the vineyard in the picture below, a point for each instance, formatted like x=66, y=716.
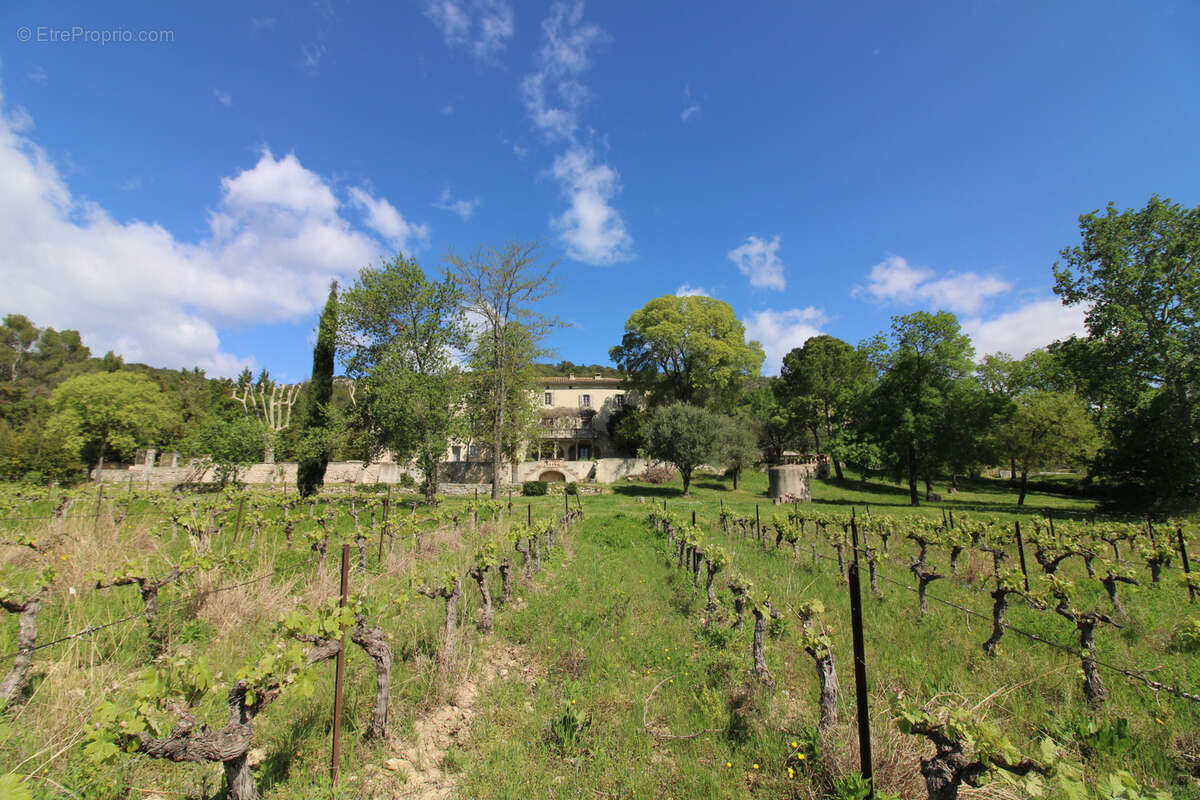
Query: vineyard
x=633, y=644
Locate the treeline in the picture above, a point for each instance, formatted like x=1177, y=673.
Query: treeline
x=62, y=410
x=1121, y=402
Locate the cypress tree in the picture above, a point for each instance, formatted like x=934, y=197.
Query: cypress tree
x=310, y=473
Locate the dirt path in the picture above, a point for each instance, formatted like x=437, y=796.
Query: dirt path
x=439, y=730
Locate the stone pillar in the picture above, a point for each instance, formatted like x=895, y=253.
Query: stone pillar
x=788, y=479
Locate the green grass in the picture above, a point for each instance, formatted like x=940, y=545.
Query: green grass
x=622, y=657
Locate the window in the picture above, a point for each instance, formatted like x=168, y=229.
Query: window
x=585, y=401
x=619, y=400
x=473, y=452
x=457, y=451
x=549, y=398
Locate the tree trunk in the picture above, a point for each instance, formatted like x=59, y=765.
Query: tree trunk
x=827, y=675
x=1093, y=687
x=451, y=641
x=999, y=608
x=505, y=582
x=760, y=660
x=1024, y=487
x=240, y=780
x=1110, y=586
x=913, y=498
x=14, y=681
x=736, y=473
x=837, y=468
x=374, y=642
x=686, y=474
x=485, y=611
x=712, y=595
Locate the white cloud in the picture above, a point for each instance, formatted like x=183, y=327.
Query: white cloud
x=758, y=260
x=277, y=236
x=464, y=208
x=482, y=27
x=312, y=52
x=1027, y=328
x=224, y=98
x=592, y=230
x=38, y=75
x=895, y=280
x=262, y=23
x=687, y=290
x=553, y=93
x=782, y=331
x=447, y=109
x=691, y=108
x=384, y=219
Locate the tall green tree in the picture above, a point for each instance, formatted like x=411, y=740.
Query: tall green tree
x=1137, y=272
x=314, y=455
x=823, y=381
x=398, y=332
x=738, y=447
x=109, y=413
x=511, y=385
x=689, y=350
x=918, y=365
x=1048, y=429
x=501, y=288
x=686, y=436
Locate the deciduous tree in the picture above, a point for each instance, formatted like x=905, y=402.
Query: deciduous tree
x=687, y=349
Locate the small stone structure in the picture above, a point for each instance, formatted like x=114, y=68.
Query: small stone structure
x=789, y=480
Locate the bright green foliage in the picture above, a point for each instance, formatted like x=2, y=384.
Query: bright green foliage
x=109, y=412
x=687, y=349
x=822, y=382
x=738, y=446
x=397, y=332
x=314, y=450
x=1138, y=274
x=919, y=365
x=685, y=436
x=1046, y=430
x=228, y=444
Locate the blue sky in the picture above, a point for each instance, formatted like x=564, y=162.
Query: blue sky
x=820, y=166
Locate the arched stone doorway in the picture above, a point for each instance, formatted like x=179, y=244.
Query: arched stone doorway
x=552, y=476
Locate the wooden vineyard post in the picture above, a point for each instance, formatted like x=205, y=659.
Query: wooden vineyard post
x=339, y=674
x=757, y=523
x=529, y=515
x=664, y=504
x=387, y=507
x=1021, y=554
x=693, y=517
x=1187, y=570
x=566, y=501
x=237, y=526
x=860, y=668
x=99, y=500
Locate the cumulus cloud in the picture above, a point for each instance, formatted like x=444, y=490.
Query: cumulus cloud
x=1033, y=325
x=894, y=280
x=383, y=218
x=782, y=331
x=758, y=260
x=687, y=290
x=481, y=27
x=276, y=237
x=223, y=97
x=464, y=208
x=591, y=228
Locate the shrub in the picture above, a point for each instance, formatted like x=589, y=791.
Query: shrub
x=657, y=475
x=406, y=481
x=534, y=488
x=572, y=488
